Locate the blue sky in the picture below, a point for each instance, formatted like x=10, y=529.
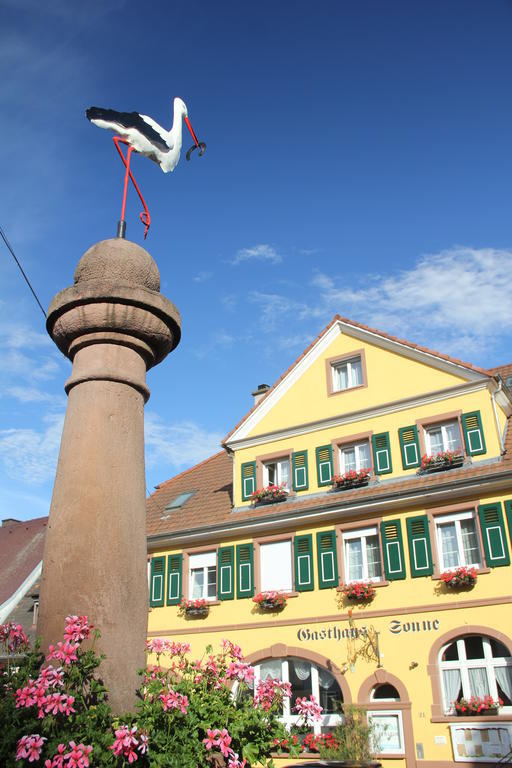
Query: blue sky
x=359, y=161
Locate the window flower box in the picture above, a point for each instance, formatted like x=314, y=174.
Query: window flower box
x=194, y=608
x=438, y=462
x=359, y=591
x=460, y=578
x=269, y=495
x=270, y=601
x=477, y=705
x=352, y=479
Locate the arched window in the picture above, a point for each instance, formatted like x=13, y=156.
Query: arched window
x=475, y=665
x=384, y=692
x=306, y=679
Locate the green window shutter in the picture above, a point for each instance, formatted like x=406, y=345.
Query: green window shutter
x=381, y=454
x=303, y=547
x=157, y=582
x=226, y=573
x=248, y=479
x=409, y=446
x=324, y=465
x=327, y=559
x=174, y=579
x=245, y=570
x=300, y=471
x=508, y=509
x=493, y=534
x=473, y=433
x=420, y=551
x=393, y=548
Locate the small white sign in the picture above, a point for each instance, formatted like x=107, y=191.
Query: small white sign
x=439, y=739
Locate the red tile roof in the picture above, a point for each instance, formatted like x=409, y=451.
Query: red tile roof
x=21, y=550
x=338, y=318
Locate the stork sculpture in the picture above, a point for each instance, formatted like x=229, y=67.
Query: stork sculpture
x=144, y=135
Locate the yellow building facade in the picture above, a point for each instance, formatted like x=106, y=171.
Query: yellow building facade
x=346, y=435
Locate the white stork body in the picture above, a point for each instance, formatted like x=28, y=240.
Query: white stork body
x=144, y=134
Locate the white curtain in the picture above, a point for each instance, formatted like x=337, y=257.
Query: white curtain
x=478, y=682
x=452, y=681
x=271, y=668
x=302, y=669
x=504, y=678
x=325, y=679
x=283, y=475
x=357, y=373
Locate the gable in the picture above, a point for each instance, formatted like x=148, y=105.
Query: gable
x=392, y=372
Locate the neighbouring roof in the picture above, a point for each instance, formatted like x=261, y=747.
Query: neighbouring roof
x=21, y=550
x=376, y=332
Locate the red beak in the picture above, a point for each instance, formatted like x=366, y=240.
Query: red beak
x=191, y=131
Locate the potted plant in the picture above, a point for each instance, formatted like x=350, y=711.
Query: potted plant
x=441, y=460
x=194, y=608
x=270, y=600
x=477, y=705
x=359, y=591
x=351, y=479
x=270, y=494
x=460, y=578
x=350, y=743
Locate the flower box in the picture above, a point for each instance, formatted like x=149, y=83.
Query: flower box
x=269, y=495
x=460, y=578
x=270, y=600
x=476, y=706
x=359, y=591
x=194, y=608
x=441, y=461
x=352, y=479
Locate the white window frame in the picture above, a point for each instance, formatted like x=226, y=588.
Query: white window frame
x=373, y=715
x=289, y=718
x=462, y=664
x=202, y=561
x=361, y=533
x=444, y=437
x=350, y=367
x=265, y=581
x=456, y=518
x=278, y=464
x=356, y=446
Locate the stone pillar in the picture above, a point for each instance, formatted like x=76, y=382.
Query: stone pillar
x=113, y=324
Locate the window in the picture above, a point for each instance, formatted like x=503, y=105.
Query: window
x=276, y=566
x=457, y=541
x=362, y=555
x=385, y=692
x=180, y=500
x=203, y=576
x=347, y=374
x=388, y=733
x=276, y=473
x=355, y=456
x=443, y=437
x=306, y=679
x=475, y=665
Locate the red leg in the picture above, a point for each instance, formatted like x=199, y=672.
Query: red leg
x=144, y=216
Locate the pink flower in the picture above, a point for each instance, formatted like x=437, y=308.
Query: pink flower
x=65, y=652
x=59, y=702
x=125, y=743
x=13, y=637
x=241, y=671
x=224, y=742
x=211, y=738
x=234, y=761
x=29, y=747
x=78, y=757
x=49, y=677
x=77, y=629
x=270, y=690
x=58, y=760
x=173, y=700
x=233, y=650
x=310, y=711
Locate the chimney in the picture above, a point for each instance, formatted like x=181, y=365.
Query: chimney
x=258, y=394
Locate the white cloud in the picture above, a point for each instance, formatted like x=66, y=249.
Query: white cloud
x=457, y=300
x=202, y=277
x=32, y=395
x=260, y=252
x=178, y=445
x=275, y=308
x=31, y=456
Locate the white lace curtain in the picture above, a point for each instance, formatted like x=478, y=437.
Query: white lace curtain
x=452, y=681
x=302, y=669
x=504, y=678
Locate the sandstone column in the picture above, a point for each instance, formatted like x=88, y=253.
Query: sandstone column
x=113, y=324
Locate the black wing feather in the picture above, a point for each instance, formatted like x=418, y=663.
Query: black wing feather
x=127, y=120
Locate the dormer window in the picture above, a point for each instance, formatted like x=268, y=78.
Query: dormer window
x=347, y=374
x=355, y=457
x=443, y=437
